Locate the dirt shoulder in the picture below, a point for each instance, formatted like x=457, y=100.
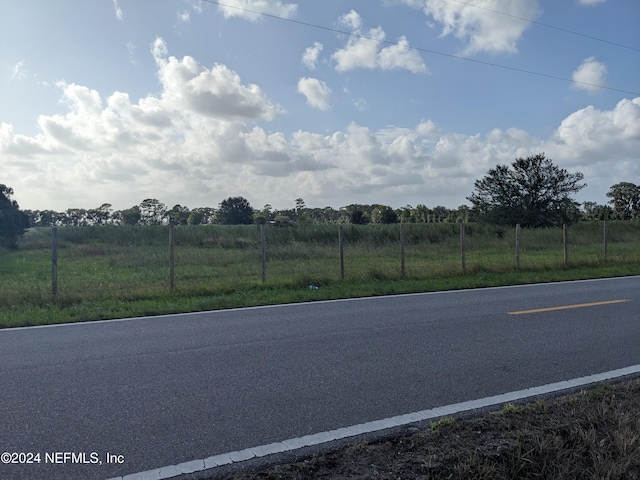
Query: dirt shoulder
x=592, y=434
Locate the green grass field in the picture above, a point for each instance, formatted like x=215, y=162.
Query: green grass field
x=117, y=271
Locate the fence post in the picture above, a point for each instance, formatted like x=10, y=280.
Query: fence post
x=54, y=261
x=402, y=272
x=341, y=248
x=172, y=276
x=518, y=245
x=565, y=242
x=605, y=240
x=462, y=248
x=263, y=250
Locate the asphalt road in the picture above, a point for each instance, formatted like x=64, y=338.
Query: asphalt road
x=165, y=390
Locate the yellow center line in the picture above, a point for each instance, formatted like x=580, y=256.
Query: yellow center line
x=567, y=307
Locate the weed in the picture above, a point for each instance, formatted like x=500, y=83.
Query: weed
x=602, y=391
x=437, y=426
x=510, y=408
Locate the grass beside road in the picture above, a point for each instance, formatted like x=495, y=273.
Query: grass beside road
x=593, y=434
x=114, y=272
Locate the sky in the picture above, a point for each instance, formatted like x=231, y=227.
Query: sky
x=396, y=102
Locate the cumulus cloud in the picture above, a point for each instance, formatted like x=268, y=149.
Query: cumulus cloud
x=215, y=92
x=311, y=54
x=588, y=134
x=479, y=25
x=198, y=141
x=316, y=91
x=247, y=9
x=401, y=56
x=364, y=50
x=589, y=75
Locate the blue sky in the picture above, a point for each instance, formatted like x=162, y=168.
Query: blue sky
x=190, y=102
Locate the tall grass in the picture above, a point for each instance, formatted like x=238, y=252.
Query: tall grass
x=115, y=265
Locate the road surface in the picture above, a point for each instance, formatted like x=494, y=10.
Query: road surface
x=104, y=399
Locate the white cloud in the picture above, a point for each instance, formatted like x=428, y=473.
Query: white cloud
x=247, y=9
x=215, y=92
x=159, y=49
x=311, y=54
x=590, y=74
x=184, y=17
x=316, y=91
x=478, y=24
x=364, y=50
x=595, y=137
x=359, y=52
x=119, y=14
x=19, y=71
x=198, y=141
x=427, y=128
x=401, y=56
x=351, y=20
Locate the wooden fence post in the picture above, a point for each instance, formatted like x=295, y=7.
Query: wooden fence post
x=402, y=272
x=172, y=276
x=565, y=242
x=263, y=250
x=54, y=261
x=518, y=245
x=341, y=248
x=462, y=248
x=604, y=234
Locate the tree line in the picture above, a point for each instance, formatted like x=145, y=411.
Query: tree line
x=238, y=210
x=532, y=192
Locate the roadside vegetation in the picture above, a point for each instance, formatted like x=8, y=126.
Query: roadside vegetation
x=116, y=264
x=122, y=271
x=588, y=435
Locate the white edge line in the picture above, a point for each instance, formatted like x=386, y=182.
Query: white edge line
x=369, y=427
x=311, y=302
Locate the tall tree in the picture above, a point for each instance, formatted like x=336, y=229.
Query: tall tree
x=593, y=211
x=532, y=192
x=152, y=211
x=625, y=198
x=200, y=215
x=100, y=215
x=13, y=222
x=235, y=211
x=76, y=217
x=301, y=212
x=130, y=216
x=358, y=217
x=383, y=214
x=179, y=215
